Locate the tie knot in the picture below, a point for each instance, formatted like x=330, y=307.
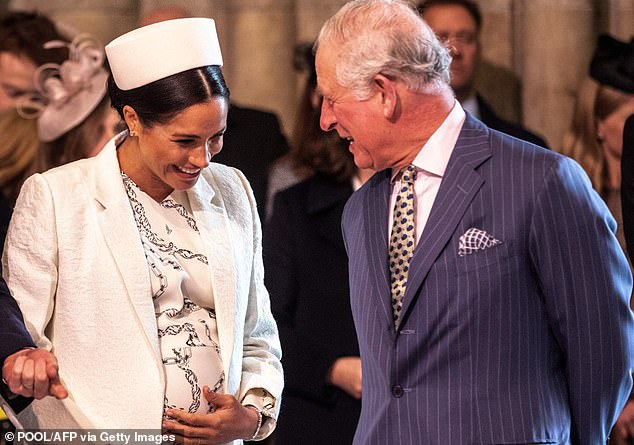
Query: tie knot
x=408, y=174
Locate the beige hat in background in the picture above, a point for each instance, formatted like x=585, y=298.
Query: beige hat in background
x=159, y=50
x=69, y=92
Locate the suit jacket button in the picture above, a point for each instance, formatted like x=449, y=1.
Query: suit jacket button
x=397, y=391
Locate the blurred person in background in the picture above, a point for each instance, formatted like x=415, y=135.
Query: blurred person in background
x=22, y=38
x=604, y=101
x=307, y=277
x=458, y=24
x=18, y=148
x=74, y=117
x=308, y=138
x=67, y=118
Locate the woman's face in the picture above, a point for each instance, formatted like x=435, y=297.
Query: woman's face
x=610, y=129
x=172, y=156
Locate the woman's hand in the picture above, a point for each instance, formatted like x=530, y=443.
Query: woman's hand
x=229, y=421
x=33, y=373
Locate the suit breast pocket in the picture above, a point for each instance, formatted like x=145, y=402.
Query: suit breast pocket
x=496, y=255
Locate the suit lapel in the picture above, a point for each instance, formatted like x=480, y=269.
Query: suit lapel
x=122, y=237
x=457, y=190
x=212, y=220
x=376, y=208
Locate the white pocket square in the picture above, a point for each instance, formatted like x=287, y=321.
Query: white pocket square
x=475, y=239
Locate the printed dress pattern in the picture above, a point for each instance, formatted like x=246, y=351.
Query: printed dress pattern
x=183, y=301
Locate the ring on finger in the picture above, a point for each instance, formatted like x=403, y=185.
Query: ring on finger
x=27, y=386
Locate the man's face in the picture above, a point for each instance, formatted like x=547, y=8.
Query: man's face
x=359, y=121
x=16, y=78
x=454, y=25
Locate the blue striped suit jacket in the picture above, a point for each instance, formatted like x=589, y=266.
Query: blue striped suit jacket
x=529, y=341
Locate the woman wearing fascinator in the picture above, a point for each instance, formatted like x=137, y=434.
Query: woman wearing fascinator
x=74, y=118
x=68, y=118
x=141, y=267
x=604, y=101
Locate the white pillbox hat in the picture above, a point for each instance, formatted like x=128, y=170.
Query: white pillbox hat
x=162, y=49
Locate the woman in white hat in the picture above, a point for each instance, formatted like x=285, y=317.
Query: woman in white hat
x=141, y=267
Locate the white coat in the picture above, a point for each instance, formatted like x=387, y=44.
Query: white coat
x=75, y=264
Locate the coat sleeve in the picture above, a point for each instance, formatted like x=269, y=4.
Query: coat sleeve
x=261, y=363
x=13, y=337
x=30, y=257
x=13, y=333
x=586, y=284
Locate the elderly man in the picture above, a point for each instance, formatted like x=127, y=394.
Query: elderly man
x=489, y=292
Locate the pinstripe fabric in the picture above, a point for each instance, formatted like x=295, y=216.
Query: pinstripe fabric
x=528, y=341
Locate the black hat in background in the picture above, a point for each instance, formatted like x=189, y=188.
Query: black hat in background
x=613, y=63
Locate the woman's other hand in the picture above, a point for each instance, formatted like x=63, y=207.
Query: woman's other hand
x=230, y=421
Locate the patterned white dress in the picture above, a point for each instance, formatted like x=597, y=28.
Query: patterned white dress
x=181, y=292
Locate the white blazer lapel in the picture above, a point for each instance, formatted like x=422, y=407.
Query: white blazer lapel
x=212, y=220
x=123, y=239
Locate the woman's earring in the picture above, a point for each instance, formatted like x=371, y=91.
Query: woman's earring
x=133, y=133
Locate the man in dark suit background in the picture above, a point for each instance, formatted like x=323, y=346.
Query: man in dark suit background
x=252, y=142
x=492, y=303
x=458, y=24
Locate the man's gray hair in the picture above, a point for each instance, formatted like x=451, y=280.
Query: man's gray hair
x=385, y=37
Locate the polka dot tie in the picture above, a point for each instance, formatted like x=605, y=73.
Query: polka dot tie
x=402, y=239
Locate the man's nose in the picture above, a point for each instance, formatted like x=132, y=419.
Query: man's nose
x=327, y=120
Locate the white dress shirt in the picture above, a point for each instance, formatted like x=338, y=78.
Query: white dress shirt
x=431, y=163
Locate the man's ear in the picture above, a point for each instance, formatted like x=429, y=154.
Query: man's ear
x=389, y=96
x=131, y=119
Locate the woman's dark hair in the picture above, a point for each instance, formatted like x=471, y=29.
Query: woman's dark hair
x=158, y=102
x=313, y=150
x=24, y=33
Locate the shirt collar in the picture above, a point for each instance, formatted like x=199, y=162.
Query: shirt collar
x=434, y=156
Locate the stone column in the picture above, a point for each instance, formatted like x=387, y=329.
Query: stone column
x=215, y=9
x=621, y=18
x=260, y=67
x=103, y=19
x=556, y=39
x=312, y=14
